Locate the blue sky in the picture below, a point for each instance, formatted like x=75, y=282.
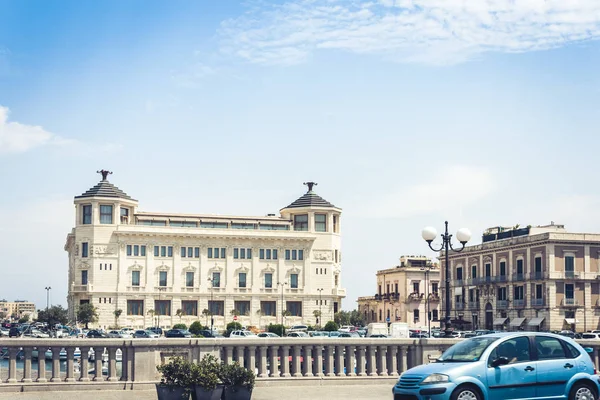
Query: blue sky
x=406, y=112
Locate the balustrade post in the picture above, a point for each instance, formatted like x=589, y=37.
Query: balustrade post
x=392, y=361
x=329, y=358
x=350, y=360
x=360, y=361
x=98, y=351
x=318, y=357
x=274, y=373
x=55, y=364
x=285, y=361
x=262, y=362
x=240, y=350
x=27, y=364
x=297, y=353
x=12, y=364
x=41, y=369
x=339, y=360
x=402, y=359
x=125, y=374
x=382, y=360
x=251, y=361
x=70, y=364
x=307, y=367
x=84, y=365
x=228, y=354
x=112, y=364
x=371, y=362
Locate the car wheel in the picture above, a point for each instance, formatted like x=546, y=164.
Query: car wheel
x=582, y=391
x=468, y=393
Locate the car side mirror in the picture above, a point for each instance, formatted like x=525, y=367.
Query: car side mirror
x=499, y=361
x=588, y=350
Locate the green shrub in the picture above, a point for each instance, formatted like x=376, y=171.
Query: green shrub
x=277, y=329
x=196, y=327
x=180, y=326
x=236, y=375
x=232, y=326
x=206, y=373
x=176, y=372
x=331, y=326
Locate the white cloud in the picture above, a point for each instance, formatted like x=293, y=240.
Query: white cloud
x=451, y=189
x=18, y=138
x=428, y=31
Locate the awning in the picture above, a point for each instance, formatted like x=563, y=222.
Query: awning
x=517, y=322
x=571, y=321
x=458, y=291
x=535, y=321
x=500, y=321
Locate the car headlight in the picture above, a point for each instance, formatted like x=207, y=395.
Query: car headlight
x=435, y=378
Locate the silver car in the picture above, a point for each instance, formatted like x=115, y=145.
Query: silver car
x=145, y=334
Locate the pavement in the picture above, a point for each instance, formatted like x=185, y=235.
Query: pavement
x=329, y=392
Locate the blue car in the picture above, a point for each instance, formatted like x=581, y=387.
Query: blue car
x=504, y=366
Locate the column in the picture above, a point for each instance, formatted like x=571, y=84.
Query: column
x=112, y=364
x=98, y=363
x=318, y=357
x=125, y=373
x=329, y=360
x=70, y=364
x=360, y=361
x=41, y=365
x=274, y=371
x=228, y=354
x=285, y=361
x=251, y=360
x=12, y=364
x=350, y=361
x=339, y=360
x=371, y=363
x=262, y=362
x=392, y=361
x=240, y=355
x=83, y=370
x=27, y=364
x=403, y=360
x=296, y=372
x=55, y=364
x=381, y=360
x=307, y=365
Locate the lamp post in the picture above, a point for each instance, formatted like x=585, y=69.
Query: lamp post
x=47, y=296
x=427, y=268
x=463, y=235
x=282, y=308
x=320, y=302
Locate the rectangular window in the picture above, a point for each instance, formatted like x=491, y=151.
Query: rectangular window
x=189, y=307
x=242, y=279
x=196, y=252
x=162, y=307
x=84, y=277
x=301, y=222
x=242, y=254
x=268, y=280
x=136, y=250
x=294, y=281
x=210, y=255
x=287, y=255
x=434, y=315
x=416, y=287
x=434, y=287
x=268, y=308
x=170, y=251
x=488, y=269
x=518, y=292
x=189, y=279
x=106, y=214
x=294, y=254
x=236, y=253
x=538, y=292
x=519, y=267
x=294, y=307
x=162, y=278
x=190, y=252
x=335, y=224
x=156, y=250
x=216, y=307
x=143, y=250
x=300, y=255
x=502, y=293
x=261, y=254
x=268, y=254
x=569, y=291
x=222, y=252
x=416, y=315
x=274, y=254
x=242, y=307
x=135, y=278
x=569, y=264
x=502, y=268
x=135, y=307
x=84, y=249
x=335, y=256
x=320, y=222
x=216, y=279
x=538, y=264
x=163, y=251
x=473, y=271
x=124, y=215
x=86, y=214
x=248, y=254
x=183, y=252
x=459, y=275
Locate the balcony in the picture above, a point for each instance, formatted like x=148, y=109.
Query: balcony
x=165, y=289
x=501, y=278
x=570, y=302
x=434, y=297
x=458, y=282
x=135, y=288
x=519, y=302
x=501, y=304
x=486, y=280
x=394, y=296
x=188, y=289
x=518, y=277
x=459, y=306
x=571, y=275
x=537, y=275
x=415, y=297
x=267, y=290
x=81, y=288
x=378, y=297
x=539, y=302
x=338, y=292
x=474, y=305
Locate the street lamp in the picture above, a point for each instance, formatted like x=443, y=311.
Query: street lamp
x=320, y=302
x=47, y=296
x=427, y=268
x=463, y=235
x=282, y=308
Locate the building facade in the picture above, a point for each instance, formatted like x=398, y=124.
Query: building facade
x=533, y=278
x=17, y=308
x=405, y=293
x=166, y=268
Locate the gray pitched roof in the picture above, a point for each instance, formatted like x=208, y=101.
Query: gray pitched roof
x=310, y=199
x=105, y=189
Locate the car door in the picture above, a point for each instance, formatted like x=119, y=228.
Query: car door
x=517, y=378
x=555, y=366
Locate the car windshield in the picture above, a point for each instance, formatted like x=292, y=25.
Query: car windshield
x=468, y=350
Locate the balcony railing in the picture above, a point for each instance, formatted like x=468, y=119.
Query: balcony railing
x=537, y=302
x=501, y=304
x=415, y=297
x=474, y=305
x=571, y=275
x=501, y=278
x=519, y=302
x=459, y=282
x=434, y=297
x=518, y=277
x=459, y=306
x=570, y=302
x=81, y=288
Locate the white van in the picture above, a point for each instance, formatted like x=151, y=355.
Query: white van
x=399, y=330
x=377, y=328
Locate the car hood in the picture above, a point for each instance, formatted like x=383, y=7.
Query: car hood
x=447, y=368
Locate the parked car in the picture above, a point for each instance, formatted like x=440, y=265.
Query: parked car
x=119, y=334
x=378, y=335
x=4, y=331
x=510, y=365
x=205, y=333
x=318, y=334
x=96, y=334
x=36, y=333
x=334, y=334
x=590, y=335
x=145, y=334
x=178, y=333
x=15, y=332
x=346, y=328
x=242, y=334
x=298, y=328
x=268, y=335
x=298, y=334
x=156, y=330
x=349, y=335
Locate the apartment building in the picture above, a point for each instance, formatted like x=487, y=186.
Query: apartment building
x=17, y=308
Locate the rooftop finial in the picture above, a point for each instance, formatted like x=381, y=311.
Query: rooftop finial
x=104, y=173
x=310, y=185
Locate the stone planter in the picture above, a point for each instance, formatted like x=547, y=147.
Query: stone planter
x=237, y=393
x=166, y=392
x=202, y=394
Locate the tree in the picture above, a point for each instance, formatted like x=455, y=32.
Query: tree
x=196, y=327
x=317, y=315
x=24, y=319
x=276, y=329
x=232, y=326
x=331, y=326
x=179, y=313
x=87, y=314
x=180, y=326
x=117, y=314
x=206, y=312
x=53, y=315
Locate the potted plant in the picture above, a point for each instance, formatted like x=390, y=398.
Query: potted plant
x=205, y=379
x=175, y=381
x=238, y=382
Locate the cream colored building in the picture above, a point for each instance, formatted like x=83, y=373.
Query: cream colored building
x=17, y=307
x=532, y=278
x=404, y=293
x=150, y=265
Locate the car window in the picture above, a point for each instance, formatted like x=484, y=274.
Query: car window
x=589, y=336
x=574, y=353
x=549, y=348
x=467, y=350
x=515, y=350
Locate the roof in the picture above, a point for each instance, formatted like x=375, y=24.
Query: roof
x=105, y=189
x=310, y=199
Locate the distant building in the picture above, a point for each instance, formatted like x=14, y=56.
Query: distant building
x=403, y=293
x=18, y=308
x=163, y=268
x=527, y=278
